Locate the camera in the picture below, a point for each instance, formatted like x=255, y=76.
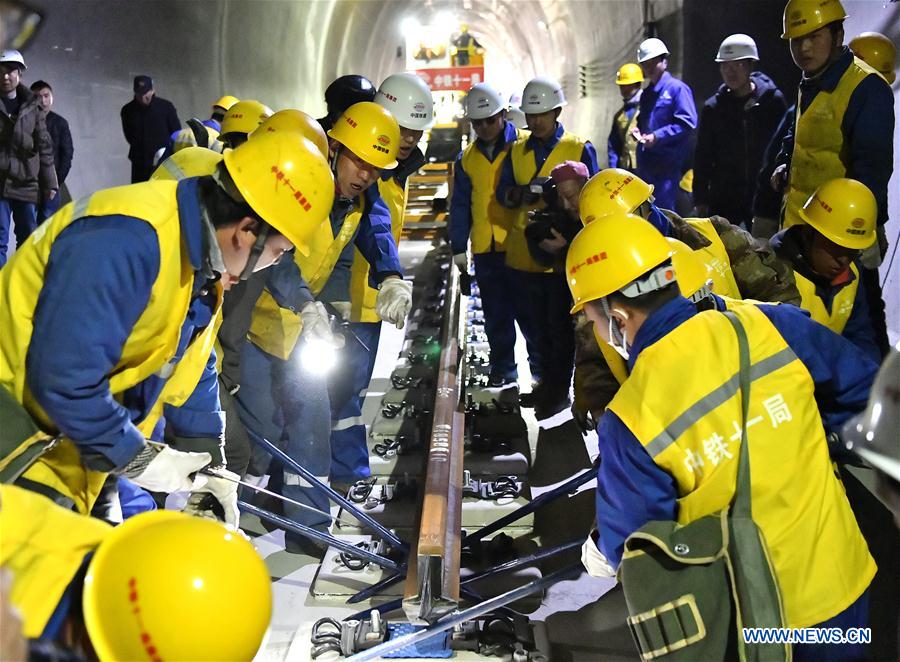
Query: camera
x=545, y=187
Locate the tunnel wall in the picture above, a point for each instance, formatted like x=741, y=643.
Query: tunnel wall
x=284, y=52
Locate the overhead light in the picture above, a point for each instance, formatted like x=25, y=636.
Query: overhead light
x=409, y=25
x=445, y=17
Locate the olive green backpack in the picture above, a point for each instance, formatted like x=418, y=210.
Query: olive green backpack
x=691, y=588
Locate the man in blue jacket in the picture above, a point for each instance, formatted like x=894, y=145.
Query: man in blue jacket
x=666, y=122
x=475, y=215
x=670, y=433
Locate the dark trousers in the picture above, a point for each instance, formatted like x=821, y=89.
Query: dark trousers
x=23, y=214
x=497, y=294
x=347, y=388
x=542, y=303
x=875, y=301
x=141, y=171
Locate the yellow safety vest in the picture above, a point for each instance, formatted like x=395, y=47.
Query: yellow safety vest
x=724, y=285
x=683, y=406
x=150, y=347
x=569, y=148
x=623, y=127
x=841, y=306
x=490, y=220
x=276, y=330
x=819, y=150
x=716, y=256
x=362, y=297
x=43, y=546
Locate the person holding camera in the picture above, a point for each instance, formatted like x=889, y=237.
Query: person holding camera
x=542, y=311
x=552, y=229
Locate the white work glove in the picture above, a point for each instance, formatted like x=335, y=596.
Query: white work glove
x=394, y=301
x=461, y=260
x=343, y=309
x=223, y=488
x=316, y=323
x=593, y=560
x=160, y=468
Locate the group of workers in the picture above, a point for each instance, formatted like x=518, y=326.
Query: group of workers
x=155, y=337
x=657, y=361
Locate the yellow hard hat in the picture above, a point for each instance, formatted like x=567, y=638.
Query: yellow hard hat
x=298, y=121
x=877, y=51
x=693, y=274
x=244, y=117
x=188, y=162
x=370, y=132
x=167, y=586
x=804, y=16
x=225, y=102
x=629, y=74
x=844, y=211
x=611, y=191
x=286, y=180
x=610, y=253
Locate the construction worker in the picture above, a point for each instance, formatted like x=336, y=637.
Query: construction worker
x=877, y=51
x=219, y=108
x=284, y=281
x=622, y=142
x=281, y=393
x=408, y=99
x=838, y=223
x=201, y=133
x=466, y=46
x=542, y=315
x=669, y=442
x=476, y=216
x=86, y=590
x=667, y=119
x=342, y=93
x=844, y=128
x=113, y=309
x=515, y=115
x=736, y=124
x=241, y=120
x=741, y=270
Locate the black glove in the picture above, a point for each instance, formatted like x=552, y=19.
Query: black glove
x=584, y=419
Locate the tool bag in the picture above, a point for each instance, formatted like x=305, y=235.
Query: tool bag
x=691, y=588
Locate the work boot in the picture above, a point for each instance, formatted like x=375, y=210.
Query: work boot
x=502, y=379
x=552, y=401
x=532, y=399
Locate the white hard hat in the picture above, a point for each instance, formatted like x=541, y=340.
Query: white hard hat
x=651, y=48
x=873, y=435
x=737, y=47
x=408, y=99
x=483, y=101
x=12, y=56
x=517, y=117
x=542, y=94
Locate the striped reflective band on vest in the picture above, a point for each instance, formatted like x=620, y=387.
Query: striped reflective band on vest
x=174, y=169
x=717, y=397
